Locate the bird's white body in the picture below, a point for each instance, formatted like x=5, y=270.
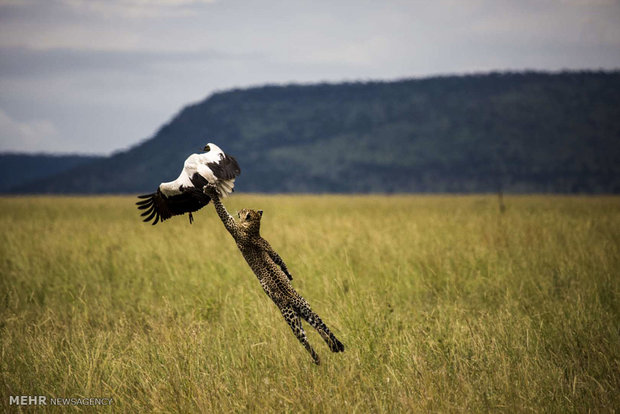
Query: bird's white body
x=185, y=194
x=197, y=163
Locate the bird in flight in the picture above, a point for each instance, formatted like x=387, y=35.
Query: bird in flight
x=184, y=195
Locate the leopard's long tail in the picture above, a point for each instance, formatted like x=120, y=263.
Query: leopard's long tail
x=313, y=319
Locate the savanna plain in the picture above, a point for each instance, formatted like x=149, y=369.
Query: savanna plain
x=443, y=303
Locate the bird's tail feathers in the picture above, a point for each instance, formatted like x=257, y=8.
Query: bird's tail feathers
x=225, y=187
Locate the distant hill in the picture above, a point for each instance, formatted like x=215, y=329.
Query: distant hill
x=523, y=132
x=18, y=169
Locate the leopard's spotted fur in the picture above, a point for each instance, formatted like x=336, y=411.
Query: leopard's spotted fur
x=273, y=274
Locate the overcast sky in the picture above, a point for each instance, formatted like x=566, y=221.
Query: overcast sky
x=95, y=76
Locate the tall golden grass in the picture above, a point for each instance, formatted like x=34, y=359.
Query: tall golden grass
x=443, y=303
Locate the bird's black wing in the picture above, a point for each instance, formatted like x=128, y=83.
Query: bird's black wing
x=226, y=168
x=198, y=181
x=159, y=207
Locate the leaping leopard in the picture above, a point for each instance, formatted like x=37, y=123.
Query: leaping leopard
x=272, y=273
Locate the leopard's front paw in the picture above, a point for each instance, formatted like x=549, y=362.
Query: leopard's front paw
x=210, y=190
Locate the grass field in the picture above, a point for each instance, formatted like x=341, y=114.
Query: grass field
x=443, y=304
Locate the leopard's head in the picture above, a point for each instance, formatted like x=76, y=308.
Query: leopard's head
x=250, y=219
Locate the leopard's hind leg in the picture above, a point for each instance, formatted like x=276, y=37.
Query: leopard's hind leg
x=313, y=319
x=294, y=321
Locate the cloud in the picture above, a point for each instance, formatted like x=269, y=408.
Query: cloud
x=136, y=9
x=115, y=8
x=99, y=25
x=31, y=136
x=27, y=62
x=97, y=75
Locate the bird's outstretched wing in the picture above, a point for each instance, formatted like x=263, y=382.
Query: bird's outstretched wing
x=159, y=207
x=226, y=168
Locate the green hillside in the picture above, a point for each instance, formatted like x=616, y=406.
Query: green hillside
x=17, y=169
x=522, y=132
